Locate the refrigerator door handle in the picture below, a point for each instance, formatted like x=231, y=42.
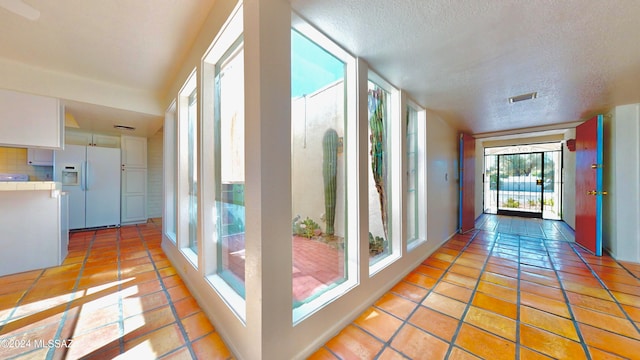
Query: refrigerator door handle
x=86, y=175
x=82, y=171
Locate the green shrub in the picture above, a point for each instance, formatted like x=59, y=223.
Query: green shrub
x=377, y=244
x=307, y=227
x=511, y=203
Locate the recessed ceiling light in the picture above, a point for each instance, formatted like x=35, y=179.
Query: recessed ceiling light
x=124, y=127
x=529, y=96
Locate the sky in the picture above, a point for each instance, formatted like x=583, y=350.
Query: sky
x=311, y=66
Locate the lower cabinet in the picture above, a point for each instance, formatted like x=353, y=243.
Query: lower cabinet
x=35, y=232
x=134, y=196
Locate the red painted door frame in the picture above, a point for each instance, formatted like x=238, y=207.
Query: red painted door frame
x=466, y=218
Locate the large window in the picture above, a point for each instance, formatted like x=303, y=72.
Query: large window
x=412, y=174
x=223, y=164
x=320, y=157
x=192, y=139
x=380, y=172
x=229, y=166
x=170, y=153
x=415, y=188
x=187, y=170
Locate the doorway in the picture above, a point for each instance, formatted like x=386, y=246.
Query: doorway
x=524, y=180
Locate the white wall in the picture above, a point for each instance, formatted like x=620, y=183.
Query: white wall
x=479, y=184
x=442, y=178
x=569, y=182
x=309, y=122
x=154, y=175
x=621, y=208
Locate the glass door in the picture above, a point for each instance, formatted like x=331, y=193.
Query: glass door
x=524, y=180
x=520, y=184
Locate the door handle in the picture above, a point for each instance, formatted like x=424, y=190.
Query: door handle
x=595, y=166
x=592, y=192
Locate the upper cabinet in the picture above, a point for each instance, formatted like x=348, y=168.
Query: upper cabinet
x=30, y=121
x=77, y=137
x=40, y=157
x=134, y=152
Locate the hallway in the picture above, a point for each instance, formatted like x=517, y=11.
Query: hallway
x=500, y=295
x=481, y=295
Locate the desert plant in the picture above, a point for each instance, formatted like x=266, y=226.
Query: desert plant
x=329, y=169
x=378, y=139
x=307, y=227
x=377, y=244
x=511, y=203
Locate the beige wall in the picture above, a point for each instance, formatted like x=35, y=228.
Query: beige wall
x=154, y=175
x=569, y=179
x=442, y=178
x=621, y=172
x=14, y=161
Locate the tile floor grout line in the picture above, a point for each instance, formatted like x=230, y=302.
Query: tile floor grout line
x=19, y=302
x=387, y=344
x=52, y=350
x=120, y=302
x=183, y=331
x=606, y=288
x=518, y=298
x=573, y=319
x=468, y=305
x=473, y=292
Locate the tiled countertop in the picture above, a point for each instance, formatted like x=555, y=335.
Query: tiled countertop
x=29, y=185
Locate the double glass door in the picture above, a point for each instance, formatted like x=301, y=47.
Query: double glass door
x=523, y=183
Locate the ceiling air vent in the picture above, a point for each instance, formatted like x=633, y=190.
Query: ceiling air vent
x=529, y=96
x=124, y=127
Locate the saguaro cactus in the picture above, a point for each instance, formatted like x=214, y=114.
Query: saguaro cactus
x=329, y=170
x=378, y=139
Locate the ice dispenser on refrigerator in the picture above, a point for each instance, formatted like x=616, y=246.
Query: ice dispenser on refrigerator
x=70, y=176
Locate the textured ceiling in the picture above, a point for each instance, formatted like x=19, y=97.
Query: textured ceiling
x=462, y=59
x=133, y=44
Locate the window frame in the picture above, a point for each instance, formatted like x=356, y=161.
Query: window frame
x=421, y=176
x=183, y=170
x=226, y=38
x=395, y=149
x=351, y=154
x=170, y=173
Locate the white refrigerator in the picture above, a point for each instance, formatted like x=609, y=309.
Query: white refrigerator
x=91, y=177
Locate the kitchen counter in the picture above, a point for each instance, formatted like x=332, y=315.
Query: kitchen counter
x=29, y=185
x=34, y=228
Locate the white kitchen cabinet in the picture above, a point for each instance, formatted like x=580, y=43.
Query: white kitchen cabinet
x=134, y=196
x=78, y=137
x=134, y=179
x=34, y=227
x=30, y=121
x=106, y=140
x=40, y=157
x=134, y=151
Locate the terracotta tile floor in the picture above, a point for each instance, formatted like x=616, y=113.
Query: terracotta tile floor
x=489, y=295
x=115, y=296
